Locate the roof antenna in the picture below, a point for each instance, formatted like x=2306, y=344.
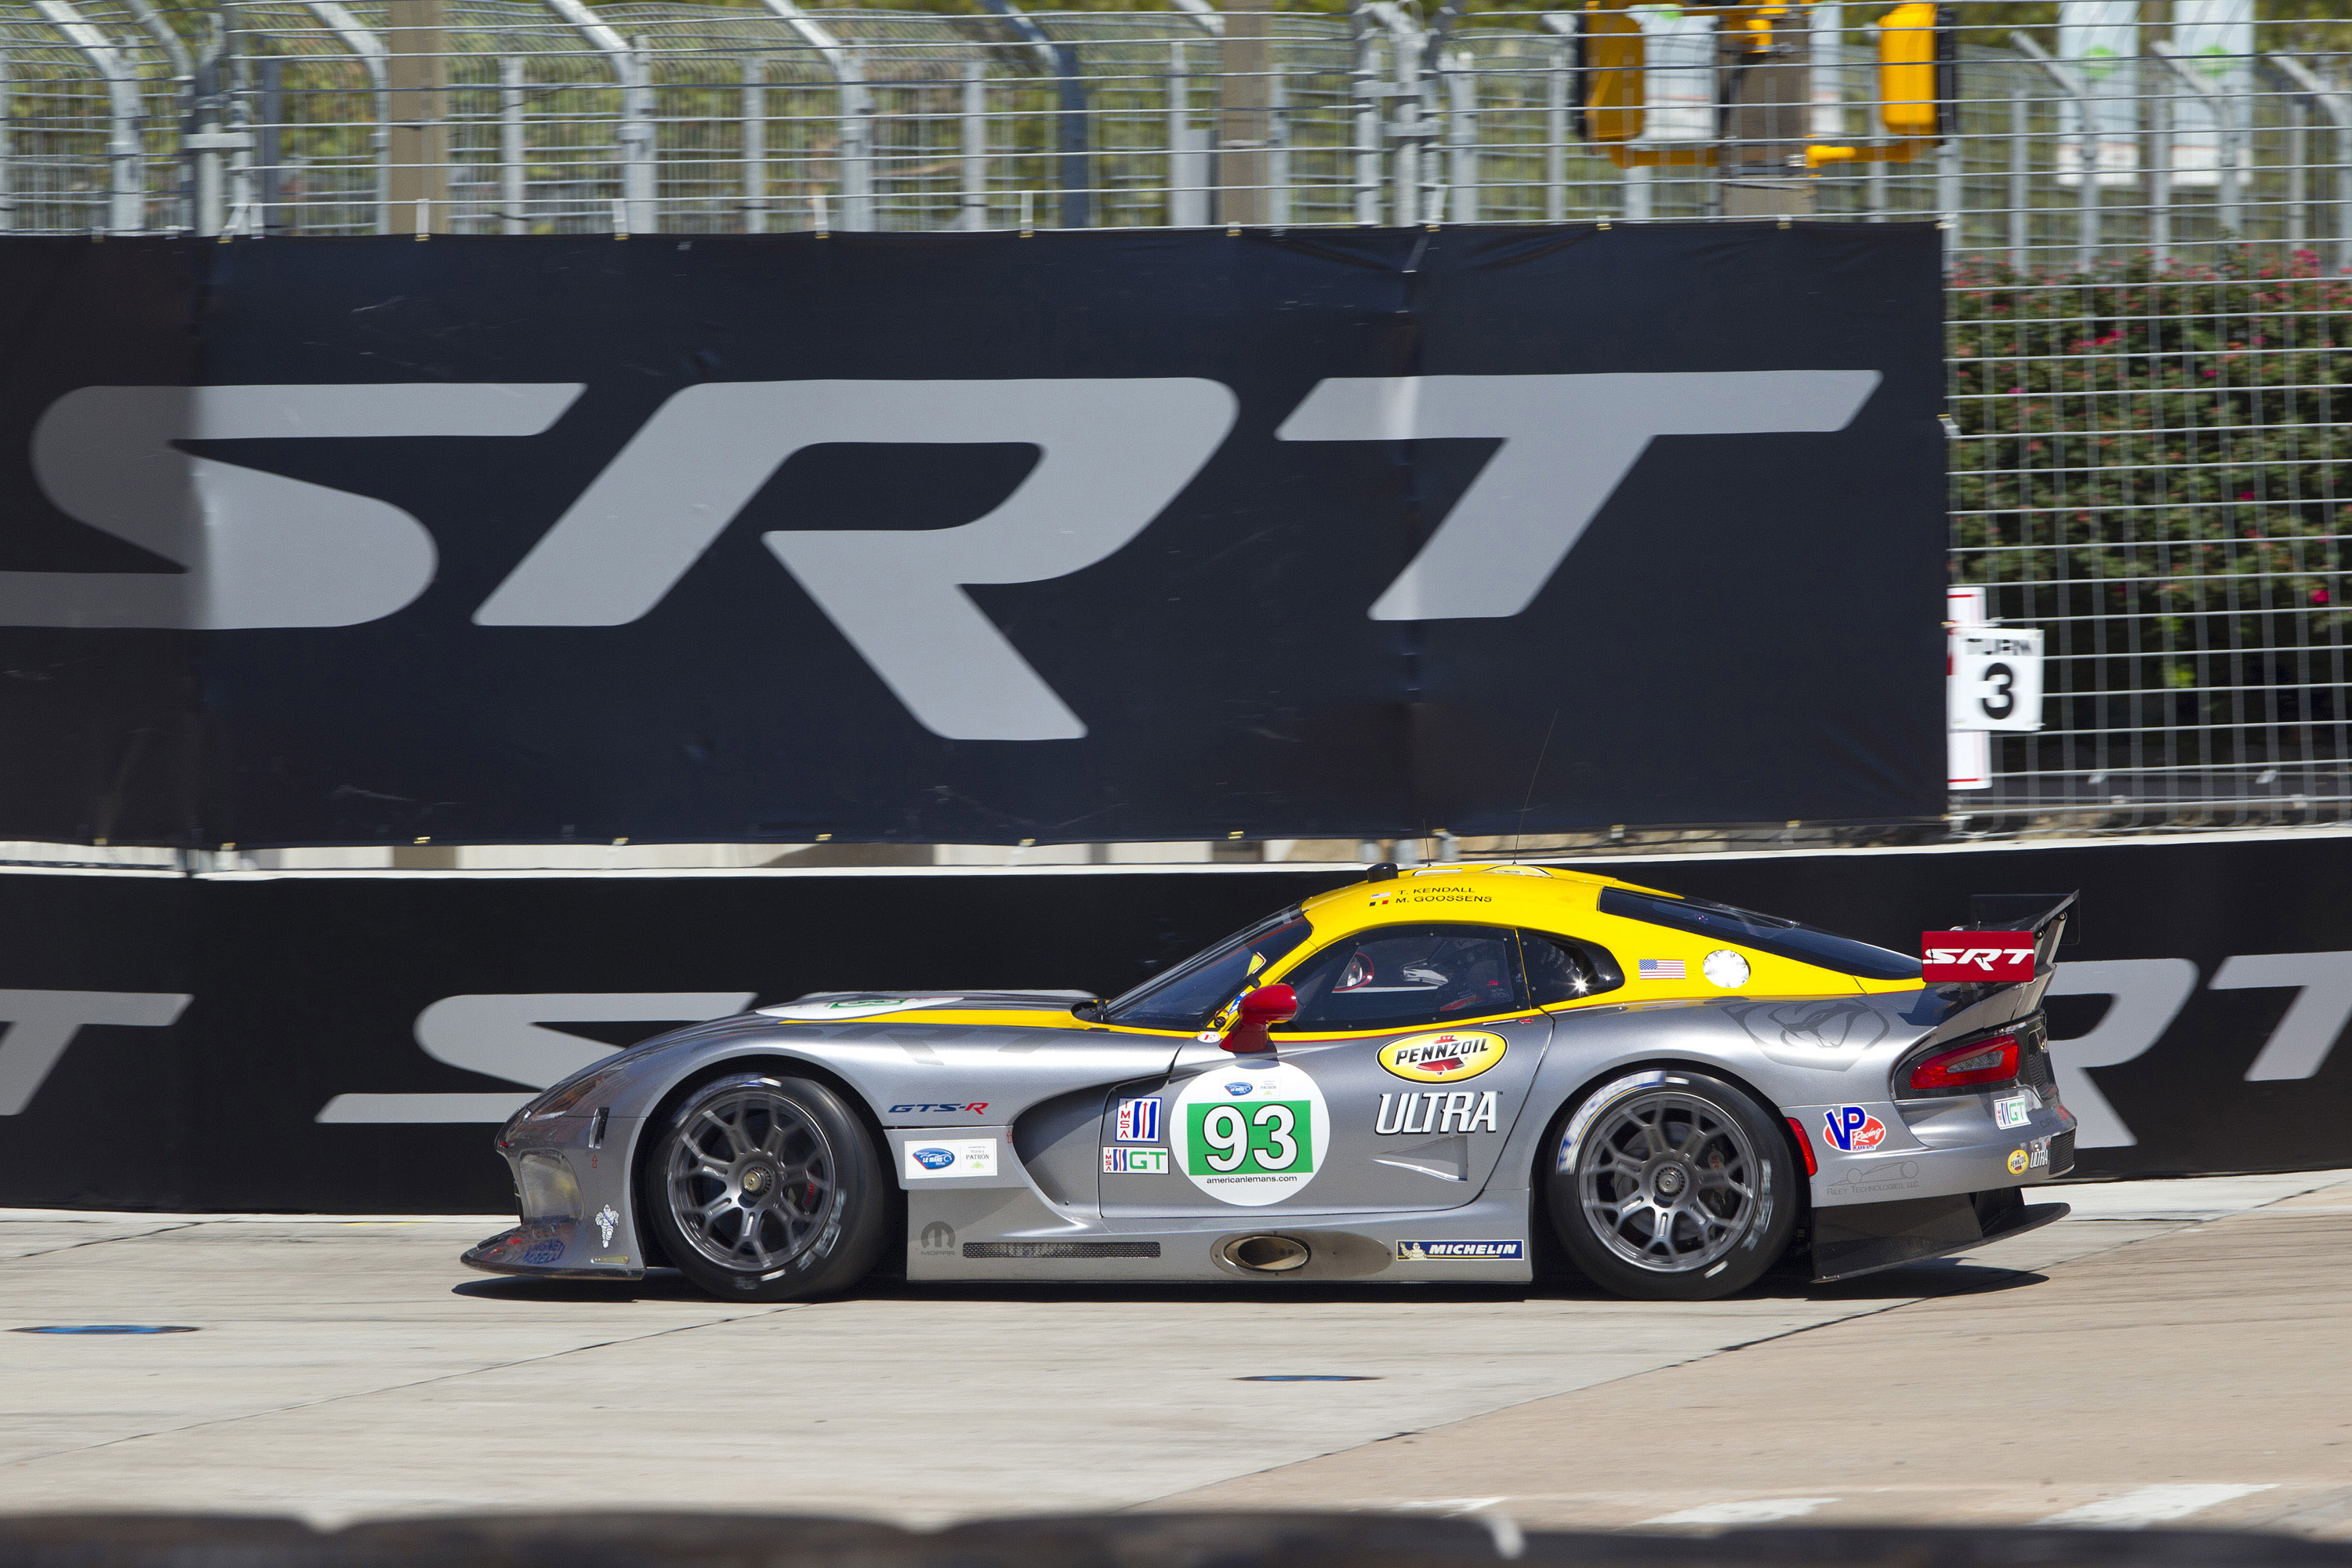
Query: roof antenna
x=1532, y=777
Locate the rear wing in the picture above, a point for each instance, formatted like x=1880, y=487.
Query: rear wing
x=2044, y=920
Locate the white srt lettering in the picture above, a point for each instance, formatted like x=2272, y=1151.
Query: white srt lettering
x=42, y=1023
x=505, y=1036
x=1116, y=453
x=1567, y=442
x=260, y=549
x=265, y=551
x=1984, y=958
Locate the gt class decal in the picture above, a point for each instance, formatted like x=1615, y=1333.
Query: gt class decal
x=1850, y=1127
x=1446, y=1057
x=1118, y=1160
x=1250, y=1133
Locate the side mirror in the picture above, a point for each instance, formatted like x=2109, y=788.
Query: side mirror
x=1260, y=1010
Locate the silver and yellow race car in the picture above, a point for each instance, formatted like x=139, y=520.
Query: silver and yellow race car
x=1451, y=1072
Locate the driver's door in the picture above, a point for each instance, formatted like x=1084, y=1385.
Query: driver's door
x=1393, y=1088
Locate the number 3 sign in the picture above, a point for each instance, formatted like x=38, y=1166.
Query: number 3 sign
x=1996, y=680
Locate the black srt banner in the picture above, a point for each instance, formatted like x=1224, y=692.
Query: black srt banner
x=974, y=538
x=352, y=1043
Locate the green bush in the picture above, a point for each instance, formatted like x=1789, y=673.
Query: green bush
x=2152, y=468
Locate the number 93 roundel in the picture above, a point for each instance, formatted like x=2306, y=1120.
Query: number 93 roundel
x=1250, y=1133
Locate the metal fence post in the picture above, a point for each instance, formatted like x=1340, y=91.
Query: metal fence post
x=1071, y=129
x=1407, y=130
x=369, y=50
x=1556, y=97
x=2224, y=108
x=2086, y=155
x=2021, y=182
x=2338, y=107
x=126, y=181
x=418, y=66
x=2159, y=179
x=1462, y=171
x=513, y=185
x=974, y=155
x=854, y=149
x=635, y=131
x=1365, y=85
x=755, y=144
x=1243, y=130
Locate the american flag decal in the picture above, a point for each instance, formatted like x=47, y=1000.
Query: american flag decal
x=1661, y=969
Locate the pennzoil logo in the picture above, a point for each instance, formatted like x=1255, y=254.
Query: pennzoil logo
x=1447, y=1058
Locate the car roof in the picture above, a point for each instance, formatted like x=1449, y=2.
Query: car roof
x=1510, y=893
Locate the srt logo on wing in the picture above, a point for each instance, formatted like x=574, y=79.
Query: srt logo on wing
x=976, y=1106
x=1975, y=956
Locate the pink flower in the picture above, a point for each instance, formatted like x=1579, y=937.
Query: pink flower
x=2319, y=595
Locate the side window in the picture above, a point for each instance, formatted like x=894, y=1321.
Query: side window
x=1562, y=969
x=1398, y=977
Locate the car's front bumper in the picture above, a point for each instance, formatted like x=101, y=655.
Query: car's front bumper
x=572, y=1195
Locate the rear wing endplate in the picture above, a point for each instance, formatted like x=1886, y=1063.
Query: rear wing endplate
x=2051, y=917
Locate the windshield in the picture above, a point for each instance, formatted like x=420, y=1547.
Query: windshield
x=1766, y=933
x=1197, y=990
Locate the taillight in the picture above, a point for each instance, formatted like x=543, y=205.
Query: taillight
x=1804, y=1146
x=1979, y=1064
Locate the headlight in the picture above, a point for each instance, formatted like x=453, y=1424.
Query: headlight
x=550, y=1191
x=566, y=1096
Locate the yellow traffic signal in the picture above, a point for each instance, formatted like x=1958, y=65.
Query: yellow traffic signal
x=1916, y=69
x=1609, y=57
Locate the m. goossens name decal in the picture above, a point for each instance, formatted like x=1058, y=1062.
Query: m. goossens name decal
x=1445, y=1058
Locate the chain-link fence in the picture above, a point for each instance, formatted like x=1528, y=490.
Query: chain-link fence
x=2149, y=227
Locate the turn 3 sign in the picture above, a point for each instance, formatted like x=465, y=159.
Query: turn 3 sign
x=1996, y=680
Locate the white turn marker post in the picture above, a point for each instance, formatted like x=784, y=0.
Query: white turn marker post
x=2151, y=1505
x=1756, y=1511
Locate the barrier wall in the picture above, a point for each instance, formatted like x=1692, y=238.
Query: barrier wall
x=969, y=538
x=317, y=1042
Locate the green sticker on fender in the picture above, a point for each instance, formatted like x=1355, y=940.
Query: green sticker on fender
x=1268, y=1137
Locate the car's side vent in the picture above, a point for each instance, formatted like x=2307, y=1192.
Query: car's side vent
x=1061, y=1249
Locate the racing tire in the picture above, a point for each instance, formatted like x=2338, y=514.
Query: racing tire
x=1671, y=1185
x=765, y=1187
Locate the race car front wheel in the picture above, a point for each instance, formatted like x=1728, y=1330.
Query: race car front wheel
x=764, y=1187
x=1671, y=1185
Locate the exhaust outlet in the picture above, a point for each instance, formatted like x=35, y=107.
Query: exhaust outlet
x=1265, y=1253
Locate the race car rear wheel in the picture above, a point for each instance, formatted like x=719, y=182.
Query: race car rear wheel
x=1671, y=1185
x=762, y=1187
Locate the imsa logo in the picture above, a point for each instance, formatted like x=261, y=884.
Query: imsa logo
x=1447, y=1058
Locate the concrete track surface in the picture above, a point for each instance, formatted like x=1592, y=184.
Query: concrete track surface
x=2178, y=1351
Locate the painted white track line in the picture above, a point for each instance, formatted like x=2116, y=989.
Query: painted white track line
x=1758, y=1511
x=2151, y=1505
